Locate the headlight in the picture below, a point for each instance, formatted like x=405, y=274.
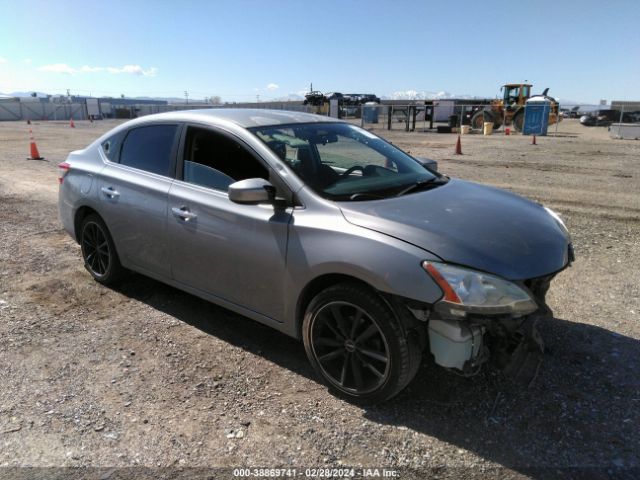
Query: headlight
x=477, y=292
x=557, y=218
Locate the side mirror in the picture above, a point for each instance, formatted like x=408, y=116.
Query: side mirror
x=252, y=191
x=428, y=163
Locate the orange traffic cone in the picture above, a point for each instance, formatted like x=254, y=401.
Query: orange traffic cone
x=71, y=124
x=533, y=140
x=35, y=155
x=458, y=147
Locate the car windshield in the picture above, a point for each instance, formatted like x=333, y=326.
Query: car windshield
x=343, y=162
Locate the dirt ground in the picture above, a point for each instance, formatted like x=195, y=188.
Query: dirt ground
x=145, y=375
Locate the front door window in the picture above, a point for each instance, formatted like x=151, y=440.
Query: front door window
x=216, y=161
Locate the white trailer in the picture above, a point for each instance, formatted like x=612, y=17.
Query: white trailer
x=625, y=131
x=93, y=108
x=443, y=109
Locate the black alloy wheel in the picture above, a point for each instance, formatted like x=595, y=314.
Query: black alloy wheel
x=98, y=251
x=358, y=345
x=350, y=348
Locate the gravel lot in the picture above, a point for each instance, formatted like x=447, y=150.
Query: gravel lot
x=146, y=375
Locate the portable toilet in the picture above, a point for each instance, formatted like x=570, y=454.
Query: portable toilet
x=536, y=116
x=370, y=112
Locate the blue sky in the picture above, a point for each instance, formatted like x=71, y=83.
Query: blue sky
x=583, y=50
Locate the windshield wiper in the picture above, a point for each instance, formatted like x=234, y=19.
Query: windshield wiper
x=434, y=181
x=365, y=196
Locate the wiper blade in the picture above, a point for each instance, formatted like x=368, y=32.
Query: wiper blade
x=365, y=196
x=435, y=182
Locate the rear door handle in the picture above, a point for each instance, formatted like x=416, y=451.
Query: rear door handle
x=110, y=192
x=183, y=213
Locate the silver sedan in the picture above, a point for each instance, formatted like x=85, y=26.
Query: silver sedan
x=324, y=231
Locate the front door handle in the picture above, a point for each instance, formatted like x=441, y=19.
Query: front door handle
x=183, y=213
x=110, y=192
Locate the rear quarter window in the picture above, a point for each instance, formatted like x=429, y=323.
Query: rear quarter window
x=150, y=149
x=111, y=146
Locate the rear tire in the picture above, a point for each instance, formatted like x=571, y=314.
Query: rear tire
x=478, y=119
x=357, y=344
x=99, y=252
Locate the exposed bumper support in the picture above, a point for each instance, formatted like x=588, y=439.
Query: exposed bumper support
x=522, y=360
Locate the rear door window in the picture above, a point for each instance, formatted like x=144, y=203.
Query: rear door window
x=150, y=149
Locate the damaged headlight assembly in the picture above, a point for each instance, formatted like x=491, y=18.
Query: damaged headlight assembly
x=471, y=291
x=458, y=342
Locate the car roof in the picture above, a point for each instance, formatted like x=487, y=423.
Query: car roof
x=244, y=117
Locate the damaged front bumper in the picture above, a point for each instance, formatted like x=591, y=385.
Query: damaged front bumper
x=519, y=354
x=512, y=345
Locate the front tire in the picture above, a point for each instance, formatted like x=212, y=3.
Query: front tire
x=357, y=344
x=518, y=121
x=99, y=252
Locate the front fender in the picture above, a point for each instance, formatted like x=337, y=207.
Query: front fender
x=318, y=248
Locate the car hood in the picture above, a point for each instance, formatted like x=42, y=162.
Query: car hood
x=472, y=225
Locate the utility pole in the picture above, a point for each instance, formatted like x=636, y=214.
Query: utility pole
x=186, y=96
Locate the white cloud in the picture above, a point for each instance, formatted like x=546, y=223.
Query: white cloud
x=134, y=70
x=130, y=69
x=3, y=60
x=26, y=60
x=272, y=87
x=58, y=68
x=88, y=69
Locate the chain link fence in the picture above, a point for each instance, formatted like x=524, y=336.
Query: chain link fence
x=443, y=116
x=449, y=117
